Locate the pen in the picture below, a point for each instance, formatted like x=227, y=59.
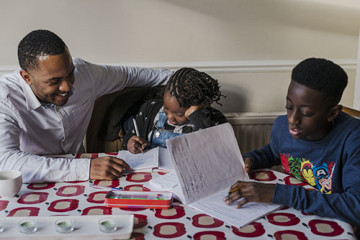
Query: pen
x=137, y=131
x=136, y=128
x=105, y=188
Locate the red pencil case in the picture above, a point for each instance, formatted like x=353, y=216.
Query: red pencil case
x=136, y=199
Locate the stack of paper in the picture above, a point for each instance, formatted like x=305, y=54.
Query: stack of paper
x=165, y=163
x=168, y=182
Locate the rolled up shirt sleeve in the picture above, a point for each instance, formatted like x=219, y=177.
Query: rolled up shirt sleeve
x=34, y=168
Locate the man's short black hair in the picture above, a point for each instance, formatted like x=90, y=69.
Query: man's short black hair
x=321, y=75
x=38, y=43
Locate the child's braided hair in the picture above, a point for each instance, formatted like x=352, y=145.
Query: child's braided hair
x=191, y=87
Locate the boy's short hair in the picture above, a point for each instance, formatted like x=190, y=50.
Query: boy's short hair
x=38, y=43
x=321, y=75
x=191, y=87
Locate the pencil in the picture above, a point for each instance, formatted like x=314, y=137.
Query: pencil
x=234, y=190
x=105, y=188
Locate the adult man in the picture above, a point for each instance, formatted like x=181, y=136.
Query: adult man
x=46, y=107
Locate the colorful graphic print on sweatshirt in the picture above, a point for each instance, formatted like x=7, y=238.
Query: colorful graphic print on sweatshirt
x=318, y=176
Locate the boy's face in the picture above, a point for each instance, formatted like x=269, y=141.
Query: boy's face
x=173, y=111
x=308, y=113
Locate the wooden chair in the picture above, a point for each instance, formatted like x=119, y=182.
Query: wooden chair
x=351, y=111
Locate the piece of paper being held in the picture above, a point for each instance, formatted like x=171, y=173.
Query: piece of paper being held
x=141, y=161
x=207, y=162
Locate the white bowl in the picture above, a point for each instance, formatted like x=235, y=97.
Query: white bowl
x=10, y=183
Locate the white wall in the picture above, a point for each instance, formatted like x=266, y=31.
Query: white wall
x=250, y=46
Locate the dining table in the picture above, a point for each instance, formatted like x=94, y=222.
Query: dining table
x=80, y=198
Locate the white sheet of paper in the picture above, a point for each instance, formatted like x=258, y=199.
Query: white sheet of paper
x=207, y=161
x=215, y=206
x=165, y=160
x=168, y=182
x=147, y=160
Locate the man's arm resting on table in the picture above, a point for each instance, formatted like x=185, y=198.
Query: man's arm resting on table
x=37, y=169
x=34, y=168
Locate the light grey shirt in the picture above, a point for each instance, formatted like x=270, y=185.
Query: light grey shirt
x=30, y=130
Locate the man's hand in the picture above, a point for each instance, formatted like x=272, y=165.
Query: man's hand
x=250, y=192
x=248, y=164
x=136, y=144
x=107, y=168
x=190, y=110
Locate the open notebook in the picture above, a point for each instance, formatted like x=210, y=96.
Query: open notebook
x=207, y=163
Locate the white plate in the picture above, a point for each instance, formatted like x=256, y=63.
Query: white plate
x=85, y=227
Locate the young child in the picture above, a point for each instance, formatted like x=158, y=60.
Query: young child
x=316, y=143
x=185, y=108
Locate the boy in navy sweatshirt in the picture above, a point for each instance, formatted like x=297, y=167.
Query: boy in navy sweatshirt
x=316, y=143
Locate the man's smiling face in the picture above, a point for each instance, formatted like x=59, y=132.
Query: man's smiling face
x=52, y=80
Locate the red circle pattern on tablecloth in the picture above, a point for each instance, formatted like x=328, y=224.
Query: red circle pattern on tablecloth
x=283, y=219
x=172, y=213
x=254, y=229
x=290, y=234
x=169, y=230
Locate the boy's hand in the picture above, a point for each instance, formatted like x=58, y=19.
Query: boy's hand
x=248, y=164
x=190, y=110
x=136, y=144
x=107, y=168
x=250, y=192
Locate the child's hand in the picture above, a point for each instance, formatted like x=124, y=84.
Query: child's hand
x=248, y=164
x=250, y=192
x=190, y=110
x=136, y=144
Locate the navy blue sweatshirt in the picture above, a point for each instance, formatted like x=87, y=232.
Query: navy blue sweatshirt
x=332, y=165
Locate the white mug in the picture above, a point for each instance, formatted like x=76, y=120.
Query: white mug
x=10, y=183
